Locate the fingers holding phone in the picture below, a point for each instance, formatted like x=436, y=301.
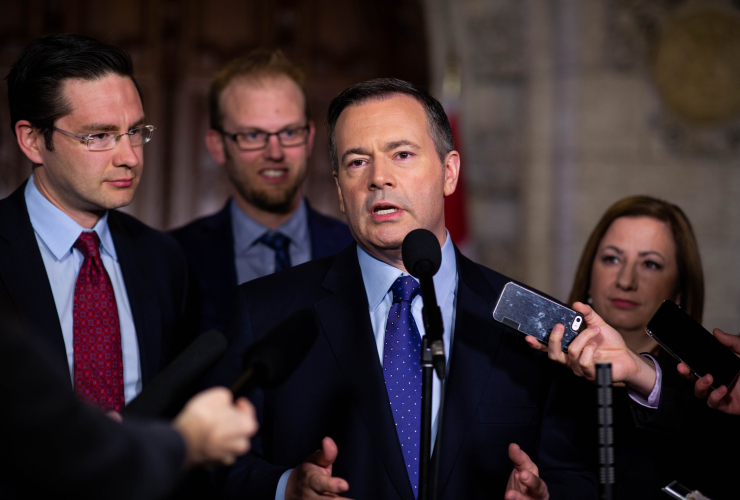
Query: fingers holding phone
x=723, y=398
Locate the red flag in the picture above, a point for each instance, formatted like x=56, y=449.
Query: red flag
x=456, y=214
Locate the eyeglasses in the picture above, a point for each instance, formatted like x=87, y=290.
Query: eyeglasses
x=106, y=140
x=258, y=139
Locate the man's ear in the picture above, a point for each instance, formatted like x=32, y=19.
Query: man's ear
x=311, y=136
x=215, y=145
x=31, y=141
x=452, y=172
x=339, y=192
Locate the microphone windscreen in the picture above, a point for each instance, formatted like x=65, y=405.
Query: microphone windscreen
x=170, y=385
x=276, y=355
x=418, y=246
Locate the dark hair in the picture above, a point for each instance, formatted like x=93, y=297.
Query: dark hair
x=690, y=275
x=384, y=88
x=36, y=80
x=256, y=65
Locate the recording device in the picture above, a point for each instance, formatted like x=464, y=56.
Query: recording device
x=270, y=360
x=606, y=432
x=535, y=315
x=173, y=383
x=422, y=257
x=688, y=342
x=680, y=492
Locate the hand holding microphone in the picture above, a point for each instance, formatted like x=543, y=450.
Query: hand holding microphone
x=215, y=428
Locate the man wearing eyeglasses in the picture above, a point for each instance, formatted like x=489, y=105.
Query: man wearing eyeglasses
x=105, y=291
x=262, y=134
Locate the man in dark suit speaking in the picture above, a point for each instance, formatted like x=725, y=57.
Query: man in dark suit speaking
x=262, y=134
x=106, y=292
x=394, y=163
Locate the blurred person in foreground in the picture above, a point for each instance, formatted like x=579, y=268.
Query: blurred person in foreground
x=643, y=251
x=104, y=291
x=262, y=134
x=510, y=427
x=55, y=446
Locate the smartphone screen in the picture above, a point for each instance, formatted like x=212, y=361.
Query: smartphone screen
x=688, y=341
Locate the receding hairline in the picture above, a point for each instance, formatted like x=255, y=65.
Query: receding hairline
x=262, y=80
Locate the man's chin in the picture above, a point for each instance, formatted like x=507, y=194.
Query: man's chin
x=277, y=202
x=115, y=200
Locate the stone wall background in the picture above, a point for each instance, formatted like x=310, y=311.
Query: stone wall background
x=561, y=117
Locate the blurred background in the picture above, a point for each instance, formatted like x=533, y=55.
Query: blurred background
x=559, y=108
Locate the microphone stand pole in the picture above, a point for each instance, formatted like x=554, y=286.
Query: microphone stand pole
x=427, y=370
x=432, y=359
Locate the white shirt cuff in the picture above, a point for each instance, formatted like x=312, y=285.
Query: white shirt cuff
x=282, y=485
x=652, y=400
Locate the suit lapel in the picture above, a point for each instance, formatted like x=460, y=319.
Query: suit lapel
x=218, y=256
x=346, y=321
x=323, y=240
x=475, y=344
x=23, y=273
x=142, y=298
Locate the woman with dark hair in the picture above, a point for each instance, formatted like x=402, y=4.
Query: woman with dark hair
x=642, y=252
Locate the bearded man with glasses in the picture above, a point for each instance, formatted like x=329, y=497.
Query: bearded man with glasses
x=106, y=292
x=261, y=132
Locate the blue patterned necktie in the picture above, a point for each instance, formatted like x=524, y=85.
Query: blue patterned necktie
x=402, y=373
x=280, y=244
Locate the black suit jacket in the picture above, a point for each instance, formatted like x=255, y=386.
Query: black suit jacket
x=54, y=446
x=498, y=391
x=208, y=243
x=707, y=440
x=154, y=272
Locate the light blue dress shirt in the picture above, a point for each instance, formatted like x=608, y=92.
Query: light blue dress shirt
x=378, y=278
x=56, y=234
x=253, y=259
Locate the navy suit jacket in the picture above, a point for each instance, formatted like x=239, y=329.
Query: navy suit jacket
x=498, y=391
x=208, y=243
x=154, y=272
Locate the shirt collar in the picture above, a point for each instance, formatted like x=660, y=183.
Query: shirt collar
x=379, y=276
x=247, y=230
x=57, y=230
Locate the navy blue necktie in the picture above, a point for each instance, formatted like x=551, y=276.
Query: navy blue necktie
x=402, y=373
x=280, y=244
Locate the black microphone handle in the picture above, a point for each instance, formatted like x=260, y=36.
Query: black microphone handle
x=168, y=389
x=433, y=324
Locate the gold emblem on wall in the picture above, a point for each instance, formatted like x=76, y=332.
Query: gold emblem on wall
x=696, y=65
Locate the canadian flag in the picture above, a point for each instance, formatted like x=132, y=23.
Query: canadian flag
x=456, y=213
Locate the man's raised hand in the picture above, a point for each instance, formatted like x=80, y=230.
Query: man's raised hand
x=524, y=481
x=312, y=479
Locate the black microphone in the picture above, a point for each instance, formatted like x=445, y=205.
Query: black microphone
x=422, y=257
x=172, y=383
x=270, y=360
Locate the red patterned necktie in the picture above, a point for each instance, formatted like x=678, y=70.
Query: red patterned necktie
x=97, y=333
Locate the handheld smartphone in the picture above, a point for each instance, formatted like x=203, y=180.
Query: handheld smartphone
x=680, y=492
x=535, y=315
x=688, y=341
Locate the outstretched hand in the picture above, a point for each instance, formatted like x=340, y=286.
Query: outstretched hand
x=599, y=343
x=524, y=481
x=313, y=479
x=724, y=399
